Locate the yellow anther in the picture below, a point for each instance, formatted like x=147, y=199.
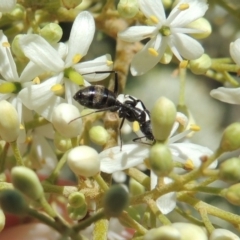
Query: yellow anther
x=58, y=89
x=6, y=44
x=183, y=64
x=28, y=140
x=154, y=19
x=136, y=126
x=109, y=63
x=188, y=165
x=36, y=80
x=21, y=126
x=183, y=6
x=146, y=163
x=7, y=87
x=153, y=52
x=76, y=58
x=195, y=127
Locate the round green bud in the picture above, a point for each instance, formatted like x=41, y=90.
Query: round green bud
x=26, y=181
x=76, y=199
x=99, y=135
x=163, y=116
x=203, y=25
x=115, y=201
x=70, y=3
x=164, y=232
x=18, y=13
x=200, y=65
x=77, y=213
x=2, y=220
x=127, y=9
x=16, y=48
x=229, y=170
x=61, y=143
x=135, y=187
x=160, y=159
x=52, y=32
x=232, y=194
x=84, y=161
x=12, y=201
x=231, y=138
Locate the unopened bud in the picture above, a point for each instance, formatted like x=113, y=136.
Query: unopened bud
x=2, y=220
x=229, y=170
x=135, y=187
x=234, y=51
x=61, y=143
x=12, y=201
x=200, y=65
x=201, y=24
x=26, y=181
x=52, y=32
x=99, y=135
x=164, y=232
x=232, y=194
x=231, y=138
x=223, y=234
x=9, y=122
x=62, y=116
x=84, y=161
x=127, y=9
x=77, y=213
x=163, y=116
x=70, y=3
x=18, y=13
x=76, y=199
x=115, y=201
x=160, y=159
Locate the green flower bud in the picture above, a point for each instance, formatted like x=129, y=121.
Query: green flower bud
x=229, y=170
x=99, y=135
x=16, y=48
x=70, y=3
x=76, y=199
x=160, y=159
x=203, y=25
x=84, y=161
x=127, y=8
x=231, y=138
x=52, y=32
x=115, y=201
x=77, y=213
x=62, y=143
x=232, y=194
x=163, y=116
x=134, y=213
x=164, y=232
x=135, y=187
x=18, y=13
x=26, y=181
x=12, y=201
x=9, y=122
x=2, y=220
x=167, y=56
x=200, y=65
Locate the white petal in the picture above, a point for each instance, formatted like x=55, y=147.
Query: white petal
x=235, y=51
x=223, y=234
x=38, y=50
x=137, y=33
x=229, y=95
x=7, y=64
x=178, y=18
x=7, y=6
x=70, y=90
x=113, y=159
x=188, y=47
x=46, y=131
x=167, y=202
x=81, y=36
x=97, y=65
x=153, y=8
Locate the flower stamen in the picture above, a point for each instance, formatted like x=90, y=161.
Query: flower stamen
x=183, y=6
x=76, y=58
x=153, y=52
x=36, y=80
x=136, y=126
x=6, y=44
x=189, y=165
x=58, y=89
x=154, y=19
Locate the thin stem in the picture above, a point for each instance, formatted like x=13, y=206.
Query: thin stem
x=101, y=182
x=3, y=156
x=206, y=220
x=17, y=153
x=74, y=142
x=181, y=100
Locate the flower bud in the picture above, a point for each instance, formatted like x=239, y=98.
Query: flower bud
x=232, y=194
x=234, y=51
x=203, y=25
x=76, y=199
x=164, y=232
x=16, y=48
x=127, y=9
x=12, y=201
x=99, y=135
x=231, y=138
x=115, y=201
x=163, y=116
x=84, y=161
x=70, y=3
x=77, y=213
x=222, y=234
x=26, y=181
x=2, y=220
x=18, y=13
x=62, y=143
x=200, y=65
x=9, y=122
x=52, y=32
x=135, y=188
x=61, y=120
x=160, y=159
x=229, y=170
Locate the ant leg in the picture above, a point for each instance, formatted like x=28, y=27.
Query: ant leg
x=136, y=101
x=139, y=138
x=120, y=134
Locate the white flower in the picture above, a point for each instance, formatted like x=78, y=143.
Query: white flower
x=221, y=234
x=113, y=159
x=235, y=51
x=6, y=6
x=41, y=98
x=165, y=32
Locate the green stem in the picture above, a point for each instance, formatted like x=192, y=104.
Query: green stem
x=17, y=153
x=38, y=122
x=74, y=142
x=181, y=100
x=3, y=156
x=230, y=79
x=47, y=207
x=206, y=220
x=101, y=182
